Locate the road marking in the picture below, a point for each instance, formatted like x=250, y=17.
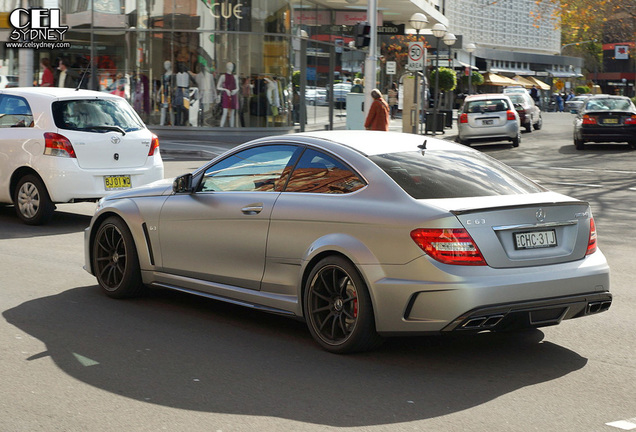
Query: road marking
x=624, y=424
x=85, y=361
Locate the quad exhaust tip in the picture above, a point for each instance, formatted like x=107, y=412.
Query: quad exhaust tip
x=484, y=322
x=596, y=307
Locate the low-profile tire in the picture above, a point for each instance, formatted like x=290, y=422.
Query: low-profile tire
x=338, y=308
x=114, y=260
x=32, y=202
x=539, y=124
x=516, y=140
x=579, y=144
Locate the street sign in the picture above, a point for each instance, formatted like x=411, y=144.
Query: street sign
x=416, y=56
x=391, y=68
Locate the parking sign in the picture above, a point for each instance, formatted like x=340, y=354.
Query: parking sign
x=417, y=53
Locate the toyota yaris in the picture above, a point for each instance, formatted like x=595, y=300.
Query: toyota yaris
x=362, y=235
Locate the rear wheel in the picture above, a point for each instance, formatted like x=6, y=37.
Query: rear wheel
x=115, y=260
x=338, y=308
x=516, y=140
x=579, y=144
x=32, y=202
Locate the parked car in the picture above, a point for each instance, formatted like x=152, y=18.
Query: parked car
x=340, y=91
x=9, y=81
x=488, y=117
x=64, y=145
x=529, y=112
x=605, y=118
x=316, y=96
x=361, y=234
x=575, y=103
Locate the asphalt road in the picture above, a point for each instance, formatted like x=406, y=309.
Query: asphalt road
x=74, y=360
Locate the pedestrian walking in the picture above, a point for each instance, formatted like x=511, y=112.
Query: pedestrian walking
x=378, y=117
x=393, y=99
x=48, y=74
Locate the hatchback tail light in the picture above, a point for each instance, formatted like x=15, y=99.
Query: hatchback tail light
x=449, y=246
x=591, y=243
x=510, y=115
x=463, y=118
x=58, y=145
x=154, y=144
x=589, y=120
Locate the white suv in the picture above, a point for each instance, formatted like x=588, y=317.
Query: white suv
x=64, y=145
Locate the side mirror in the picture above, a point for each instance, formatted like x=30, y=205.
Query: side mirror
x=182, y=184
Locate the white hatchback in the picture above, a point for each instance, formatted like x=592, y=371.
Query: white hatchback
x=488, y=117
x=64, y=145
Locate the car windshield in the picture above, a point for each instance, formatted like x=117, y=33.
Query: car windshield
x=453, y=174
x=96, y=115
x=486, y=105
x=608, y=104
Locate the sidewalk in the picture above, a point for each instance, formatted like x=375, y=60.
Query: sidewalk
x=205, y=143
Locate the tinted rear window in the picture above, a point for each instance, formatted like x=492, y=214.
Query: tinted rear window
x=486, y=105
x=95, y=115
x=453, y=174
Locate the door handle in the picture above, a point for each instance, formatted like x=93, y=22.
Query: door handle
x=252, y=209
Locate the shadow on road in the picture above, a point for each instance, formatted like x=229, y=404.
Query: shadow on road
x=190, y=353
x=62, y=222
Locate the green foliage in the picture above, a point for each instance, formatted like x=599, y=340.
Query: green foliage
x=296, y=78
x=447, y=79
x=476, y=78
x=578, y=90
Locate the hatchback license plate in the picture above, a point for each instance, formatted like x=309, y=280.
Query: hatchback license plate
x=535, y=239
x=487, y=122
x=117, y=182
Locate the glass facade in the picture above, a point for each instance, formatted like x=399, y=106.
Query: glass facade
x=202, y=63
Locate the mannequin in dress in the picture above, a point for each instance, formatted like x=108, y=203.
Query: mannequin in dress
x=166, y=93
x=228, y=86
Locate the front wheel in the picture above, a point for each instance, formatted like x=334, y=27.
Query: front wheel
x=338, y=308
x=579, y=144
x=32, y=202
x=115, y=260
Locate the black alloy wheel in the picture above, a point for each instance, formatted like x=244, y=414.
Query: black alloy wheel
x=338, y=308
x=115, y=260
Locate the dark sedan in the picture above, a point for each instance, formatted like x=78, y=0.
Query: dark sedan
x=605, y=118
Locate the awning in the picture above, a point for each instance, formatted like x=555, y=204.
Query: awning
x=523, y=82
x=498, y=80
x=560, y=74
x=512, y=71
x=538, y=83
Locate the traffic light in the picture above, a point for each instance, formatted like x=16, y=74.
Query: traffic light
x=362, y=35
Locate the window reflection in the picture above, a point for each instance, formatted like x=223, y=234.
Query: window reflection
x=317, y=172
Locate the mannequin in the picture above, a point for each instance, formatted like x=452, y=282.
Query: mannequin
x=181, y=93
x=166, y=93
x=207, y=91
x=273, y=96
x=228, y=86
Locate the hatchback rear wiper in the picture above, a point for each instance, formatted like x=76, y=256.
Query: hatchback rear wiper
x=110, y=128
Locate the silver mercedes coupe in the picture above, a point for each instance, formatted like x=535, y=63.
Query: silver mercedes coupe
x=360, y=234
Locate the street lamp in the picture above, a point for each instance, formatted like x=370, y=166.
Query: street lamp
x=470, y=49
x=438, y=30
x=418, y=21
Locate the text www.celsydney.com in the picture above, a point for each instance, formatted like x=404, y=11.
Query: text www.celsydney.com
x=38, y=45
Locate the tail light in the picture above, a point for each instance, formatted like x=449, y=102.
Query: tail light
x=449, y=246
x=589, y=120
x=591, y=243
x=463, y=118
x=630, y=120
x=154, y=144
x=510, y=115
x=58, y=145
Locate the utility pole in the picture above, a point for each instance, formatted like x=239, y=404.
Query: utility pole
x=371, y=62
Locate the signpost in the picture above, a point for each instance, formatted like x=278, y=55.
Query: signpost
x=416, y=56
x=391, y=68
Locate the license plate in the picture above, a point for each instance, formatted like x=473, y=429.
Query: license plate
x=487, y=122
x=535, y=239
x=117, y=182
x=610, y=121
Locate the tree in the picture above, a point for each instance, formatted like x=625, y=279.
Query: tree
x=397, y=50
x=447, y=79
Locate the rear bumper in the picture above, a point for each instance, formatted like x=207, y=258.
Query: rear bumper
x=531, y=314
x=508, y=131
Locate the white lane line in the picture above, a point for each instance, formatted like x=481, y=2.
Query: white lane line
x=624, y=424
